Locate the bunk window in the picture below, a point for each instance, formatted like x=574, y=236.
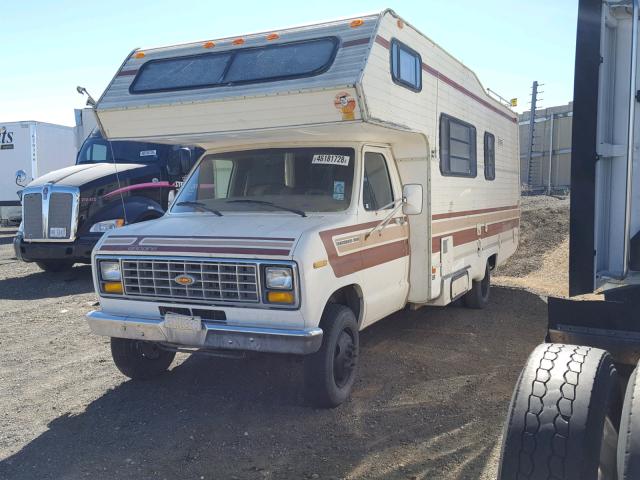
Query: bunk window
x=376, y=190
x=457, y=148
x=489, y=156
x=406, y=66
x=246, y=65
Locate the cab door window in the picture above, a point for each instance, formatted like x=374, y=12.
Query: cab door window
x=377, y=189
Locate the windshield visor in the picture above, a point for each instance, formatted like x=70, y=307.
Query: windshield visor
x=314, y=179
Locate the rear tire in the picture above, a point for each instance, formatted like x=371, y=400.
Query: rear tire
x=478, y=296
x=55, y=266
x=629, y=439
x=563, y=420
x=140, y=360
x=330, y=372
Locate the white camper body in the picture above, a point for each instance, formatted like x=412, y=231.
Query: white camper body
x=35, y=147
x=369, y=94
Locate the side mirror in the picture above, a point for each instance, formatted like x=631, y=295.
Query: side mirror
x=180, y=162
x=412, y=199
x=21, y=178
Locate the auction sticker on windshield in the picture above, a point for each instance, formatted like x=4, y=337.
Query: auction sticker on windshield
x=327, y=159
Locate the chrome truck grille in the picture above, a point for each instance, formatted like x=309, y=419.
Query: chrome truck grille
x=218, y=281
x=50, y=213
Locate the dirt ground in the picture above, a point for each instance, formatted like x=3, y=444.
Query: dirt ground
x=431, y=395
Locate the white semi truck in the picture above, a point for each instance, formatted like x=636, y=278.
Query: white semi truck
x=34, y=148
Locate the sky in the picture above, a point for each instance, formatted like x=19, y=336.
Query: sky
x=48, y=47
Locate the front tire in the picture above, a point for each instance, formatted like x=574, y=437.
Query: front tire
x=564, y=416
x=140, y=360
x=478, y=296
x=629, y=439
x=55, y=266
x=330, y=372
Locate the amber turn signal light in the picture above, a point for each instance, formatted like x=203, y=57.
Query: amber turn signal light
x=112, y=287
x=280, y=297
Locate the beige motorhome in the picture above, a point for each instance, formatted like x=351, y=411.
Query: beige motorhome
x=352, y=168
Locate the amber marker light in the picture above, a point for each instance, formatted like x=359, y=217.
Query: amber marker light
x=356, y=23
x=208, y=45
x=139, y=55
x=112, y=287
x=280, y=297
x=238, y=41
x=273, y=36
x=400, y=24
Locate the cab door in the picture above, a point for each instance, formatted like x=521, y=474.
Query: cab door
x=385, y=239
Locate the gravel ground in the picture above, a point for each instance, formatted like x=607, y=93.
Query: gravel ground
x=431, y=395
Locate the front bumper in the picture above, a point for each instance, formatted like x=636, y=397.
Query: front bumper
x=79, y=250
x=211, y=335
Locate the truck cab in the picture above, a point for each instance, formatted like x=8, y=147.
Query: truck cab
x=65, y=212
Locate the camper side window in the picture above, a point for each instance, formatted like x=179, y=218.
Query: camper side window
x=489, y=156
x=406, y=66
x=376, y=190
x=457, y=148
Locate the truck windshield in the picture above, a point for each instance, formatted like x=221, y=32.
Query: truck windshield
x=97, y=150
x=302, y=179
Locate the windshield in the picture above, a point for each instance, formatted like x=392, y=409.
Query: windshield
x=97, y=150
x=299, y=180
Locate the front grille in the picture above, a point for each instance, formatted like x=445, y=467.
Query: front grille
x=215, y=281
x=50, y=213
x=32, y=216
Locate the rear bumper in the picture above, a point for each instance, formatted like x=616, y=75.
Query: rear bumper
x=211, y=335
x=78, y=251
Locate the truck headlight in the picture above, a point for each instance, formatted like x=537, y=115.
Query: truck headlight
x=106, y=225
x=279, y=278
x=110, y=271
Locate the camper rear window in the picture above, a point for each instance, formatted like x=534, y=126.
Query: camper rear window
x=248, y=65
x=489, y=156
x=457, y=147
x=406, y=66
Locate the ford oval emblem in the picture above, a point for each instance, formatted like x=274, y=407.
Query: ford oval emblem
x=184, y=280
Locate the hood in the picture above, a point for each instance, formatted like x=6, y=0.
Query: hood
x=78, y=175
x=262, y=235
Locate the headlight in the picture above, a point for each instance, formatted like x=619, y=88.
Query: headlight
x=110, y=271
x=279, y=278
x=106, y=225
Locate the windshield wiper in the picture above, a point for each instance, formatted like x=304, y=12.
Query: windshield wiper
x=199, y=206
x=270, y=204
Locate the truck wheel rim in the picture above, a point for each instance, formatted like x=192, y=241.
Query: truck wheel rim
x=343, y=359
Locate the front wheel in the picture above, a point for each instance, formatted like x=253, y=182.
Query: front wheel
x=140, y=360
x=330, y=372
x=55, y=265
x=564, y=417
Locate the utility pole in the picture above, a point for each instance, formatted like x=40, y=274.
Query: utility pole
x=532, y=126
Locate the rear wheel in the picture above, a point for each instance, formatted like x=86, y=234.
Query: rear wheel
x=563, y=419
x=140, y=360
x=55, y=265
x=629, y=440
x=478, y=296
x=330, y=372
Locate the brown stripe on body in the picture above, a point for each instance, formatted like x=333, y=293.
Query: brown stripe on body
x=443, y=227
x=440, y=216
x=208, y=237
x=357, y=41
x=126, y=73
x=470, y=235
x=368, y=257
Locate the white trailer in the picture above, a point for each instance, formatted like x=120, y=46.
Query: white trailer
x=36, y=148
x=399, y=173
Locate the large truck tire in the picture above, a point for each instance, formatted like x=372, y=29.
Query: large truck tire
x=563, y=418
x=55, y=266
x=140, y=360
x=629, y=438
x=330, y=372
x=478, y=296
